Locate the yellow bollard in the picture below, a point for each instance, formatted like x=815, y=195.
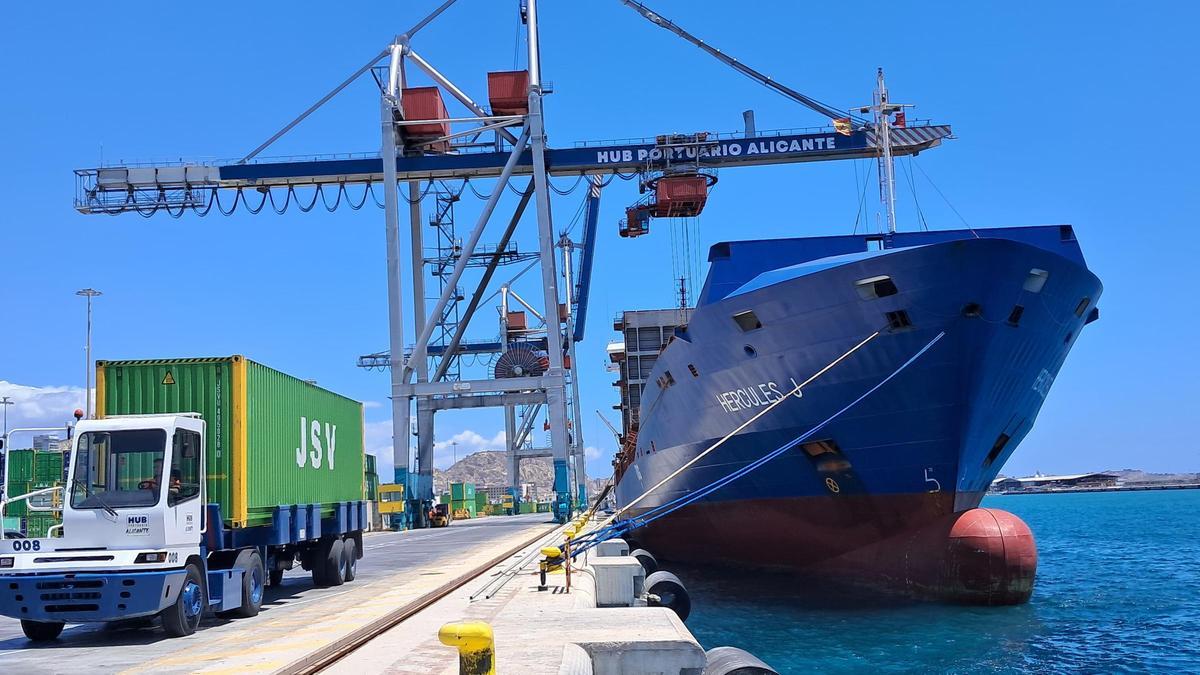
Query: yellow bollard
x=553, y=561
x=476, y=646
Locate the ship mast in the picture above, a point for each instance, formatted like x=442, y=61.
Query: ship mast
x=882, y=110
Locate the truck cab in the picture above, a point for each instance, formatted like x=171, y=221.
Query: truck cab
x=393, y=505
x=136, y=486
x=134, y=517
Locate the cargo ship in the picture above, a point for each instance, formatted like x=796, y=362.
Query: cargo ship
x=888, y=376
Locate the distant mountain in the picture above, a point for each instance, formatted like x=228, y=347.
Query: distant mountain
x=1127, y=476
x=487, y=469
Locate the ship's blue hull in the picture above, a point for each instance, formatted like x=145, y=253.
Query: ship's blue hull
x=925, y=445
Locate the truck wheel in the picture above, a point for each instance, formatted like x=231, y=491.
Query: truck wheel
x=335, y=558
x=276, y=577
x=314, y=561
x=252, y=584
x=41, y=631
x=350, y=557
x=183, y=617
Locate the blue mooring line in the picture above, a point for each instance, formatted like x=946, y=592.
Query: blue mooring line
x=622, y=526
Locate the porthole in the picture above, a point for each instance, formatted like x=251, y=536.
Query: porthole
x=898, y=320
x=875, y=287
x=1082, y=306
x=750, y=351
x=1014, y=317
x=747, y=321
x=1036, y=280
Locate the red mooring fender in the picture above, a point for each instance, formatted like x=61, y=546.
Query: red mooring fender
x=990, y=558
x=979, y=557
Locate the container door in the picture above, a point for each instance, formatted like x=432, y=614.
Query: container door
x=184, y=483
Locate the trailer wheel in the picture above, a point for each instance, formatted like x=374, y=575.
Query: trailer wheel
x=183, y=617
x=350, y=558
x=335, y=563
x=252, y=584
x=41, y=631
x=327, y=563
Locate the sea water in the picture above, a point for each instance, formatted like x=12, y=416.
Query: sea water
x=1117, y=590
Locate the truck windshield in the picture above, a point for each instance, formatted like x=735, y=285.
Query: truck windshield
x=117, y=469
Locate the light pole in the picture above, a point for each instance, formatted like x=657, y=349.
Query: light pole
x=454, y=444
x=88, y=293
x=6, y=401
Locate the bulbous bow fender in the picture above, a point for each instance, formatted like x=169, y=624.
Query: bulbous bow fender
x=979, y=556
x=990, y=558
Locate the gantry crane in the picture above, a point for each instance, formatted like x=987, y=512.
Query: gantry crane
x=514, y=145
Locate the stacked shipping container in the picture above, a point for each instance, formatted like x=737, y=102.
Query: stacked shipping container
x=28, y=471
x=462, y=498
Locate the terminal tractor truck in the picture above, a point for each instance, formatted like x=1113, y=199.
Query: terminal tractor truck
x=199, y=482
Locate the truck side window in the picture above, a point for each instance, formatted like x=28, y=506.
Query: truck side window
x=184, y=482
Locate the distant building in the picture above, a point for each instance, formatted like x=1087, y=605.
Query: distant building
x=645, y=334
x=495, y=493
x=1006, y=484
x=1078, y=481
x=45, y=443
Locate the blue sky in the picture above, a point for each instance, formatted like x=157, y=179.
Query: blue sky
x=1064, y=113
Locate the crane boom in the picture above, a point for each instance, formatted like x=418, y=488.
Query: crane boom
x=807, y=101
x=616, y=434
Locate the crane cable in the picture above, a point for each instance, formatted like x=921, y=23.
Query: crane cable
x=795, y=390
x=619, y=527
x=807, y=101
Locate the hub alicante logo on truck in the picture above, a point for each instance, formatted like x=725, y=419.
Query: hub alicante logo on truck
x=137, y=525
x=310, y=434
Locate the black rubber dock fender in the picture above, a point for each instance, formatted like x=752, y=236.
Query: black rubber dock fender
x=647, y=559
x=734, y=661
x=671, y=593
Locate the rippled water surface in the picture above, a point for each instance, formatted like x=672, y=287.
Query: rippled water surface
x=1118, y=589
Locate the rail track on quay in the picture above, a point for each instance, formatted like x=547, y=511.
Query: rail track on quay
x=328, y=655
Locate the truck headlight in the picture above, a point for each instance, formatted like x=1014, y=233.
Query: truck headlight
x=6, y=562
x=151, y=557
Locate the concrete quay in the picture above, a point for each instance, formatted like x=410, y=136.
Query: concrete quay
x=543, y=631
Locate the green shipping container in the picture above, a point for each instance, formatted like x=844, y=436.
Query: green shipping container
x=481, y=500
x=272, y=439
x=47, y=467
x=460, y=491
x=370, y=463
x=527, y=507
x=37, y=525
x=18, y=466
x=23, y=466
x=16, y=489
